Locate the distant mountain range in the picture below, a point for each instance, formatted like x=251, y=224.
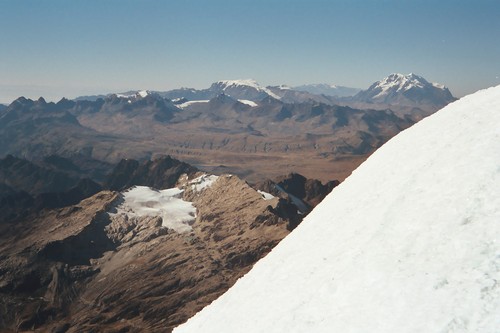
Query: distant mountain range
x=397, y=91
x=225, y=127
x=238, y=89
x=328, y=90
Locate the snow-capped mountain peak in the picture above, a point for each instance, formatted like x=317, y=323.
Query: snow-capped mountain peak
x=240, y=83
x=135, y=94
x=247, y=89
x=410, y=90
x=143, y=93
x=402, y=82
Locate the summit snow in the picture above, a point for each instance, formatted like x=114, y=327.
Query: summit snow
x=409, y=90
x=243, y=89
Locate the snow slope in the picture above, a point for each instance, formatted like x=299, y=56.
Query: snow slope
x=248, y=83
x=247, y=102
x=408, y=243
x=188, y=103
x=134, y=94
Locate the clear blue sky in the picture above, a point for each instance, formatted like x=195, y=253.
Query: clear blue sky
x=68, y=48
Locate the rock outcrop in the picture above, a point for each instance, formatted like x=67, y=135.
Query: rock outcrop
x=309, y=191
x=162, y=172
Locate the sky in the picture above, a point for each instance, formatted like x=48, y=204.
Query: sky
x=57, y=48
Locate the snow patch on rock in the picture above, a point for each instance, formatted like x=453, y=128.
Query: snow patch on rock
x=176, y=213
x=246, y=83
x=266, y=196
x=247, y=102
x=202, y=182
x=188, y=103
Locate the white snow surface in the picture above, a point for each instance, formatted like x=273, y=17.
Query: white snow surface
x=247, y=102
x=247, y=83
x=399, y=82
x=136, y=94
x=188, y=103
x=202, y=182
x=176, y=213
x=240, y=83
x=265, y=195
x=408, y=243
x=143, y=93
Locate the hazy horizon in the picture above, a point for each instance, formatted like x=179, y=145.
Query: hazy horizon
x=61, y=49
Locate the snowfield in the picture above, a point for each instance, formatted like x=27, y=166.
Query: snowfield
x=188, y=103
x=247, y=102
x=246, y=83
x=139, y=93
x=176, y=213
x=410, y=242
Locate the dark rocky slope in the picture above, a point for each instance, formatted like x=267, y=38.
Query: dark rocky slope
x=159, y=173
x=80, y=269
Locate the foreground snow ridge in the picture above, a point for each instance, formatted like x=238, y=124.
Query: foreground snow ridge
x=408, y=243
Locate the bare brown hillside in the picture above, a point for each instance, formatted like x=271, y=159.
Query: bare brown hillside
x=79, y=269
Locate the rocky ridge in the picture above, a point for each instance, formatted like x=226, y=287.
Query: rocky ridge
x=85, y=268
